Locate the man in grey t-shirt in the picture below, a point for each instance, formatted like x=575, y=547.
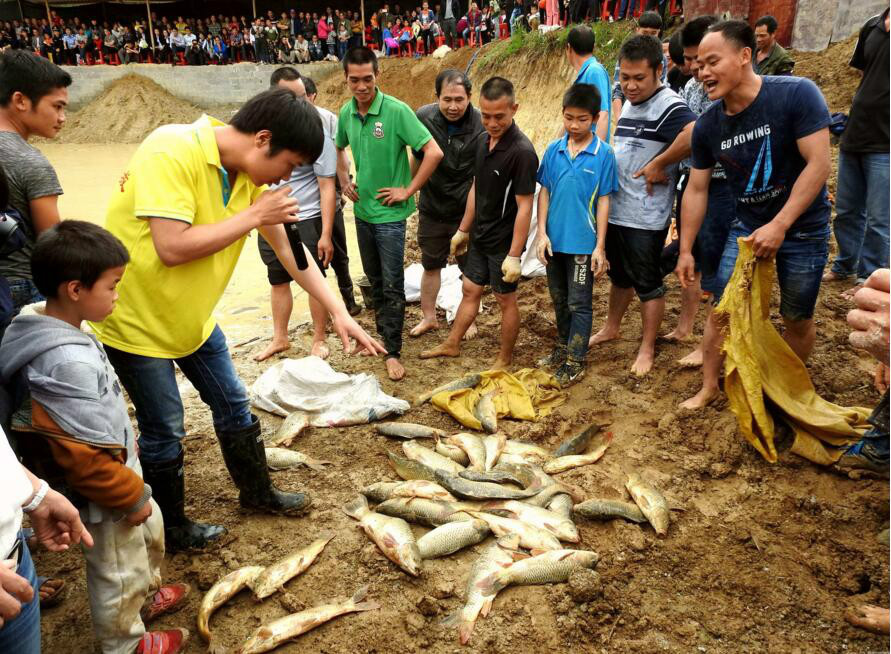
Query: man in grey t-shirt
x=33, y=104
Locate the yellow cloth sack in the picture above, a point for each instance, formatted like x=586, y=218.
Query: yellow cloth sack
x=764, y=380
x=524, y=395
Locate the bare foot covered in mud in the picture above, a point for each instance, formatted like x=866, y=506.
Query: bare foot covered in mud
x=500, y=364
x=692, y=360
x=273, y=348
x=320, y=349
x=702, y=399
x=851, y=292
x=676, y=335
x=833, y=277
x=395, y=370
x=869, y=617
x=603, y=336
x=423, y=327
x=444, y=350
x=643, y=363
x=471, y=332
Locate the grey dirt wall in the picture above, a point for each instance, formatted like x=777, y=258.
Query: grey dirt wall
x=204, y=86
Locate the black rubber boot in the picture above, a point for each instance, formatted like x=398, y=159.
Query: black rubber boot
x=245, y=457
x=168, y=491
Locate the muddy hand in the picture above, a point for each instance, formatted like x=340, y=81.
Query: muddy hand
x=347, y=328
x=510, y=269
x=543, y=248
x=686, y=269
x=870, y=319
x=766, y=240
x=458, y=243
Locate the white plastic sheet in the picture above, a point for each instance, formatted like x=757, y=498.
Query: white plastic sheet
x=333, y=399
x=449, y=292
x=530, y=266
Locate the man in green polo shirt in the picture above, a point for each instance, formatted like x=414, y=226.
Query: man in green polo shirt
x=378, y=129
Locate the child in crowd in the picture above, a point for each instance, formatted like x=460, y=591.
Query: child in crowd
x=577, y=175
x=83, y=436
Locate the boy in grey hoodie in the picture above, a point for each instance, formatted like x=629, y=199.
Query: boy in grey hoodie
x=82, y=433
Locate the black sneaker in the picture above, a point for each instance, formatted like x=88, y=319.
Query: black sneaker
x=569, y=373
x=555, y=359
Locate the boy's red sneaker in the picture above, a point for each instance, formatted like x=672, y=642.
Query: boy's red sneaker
x=166, y=599
x=163, y=642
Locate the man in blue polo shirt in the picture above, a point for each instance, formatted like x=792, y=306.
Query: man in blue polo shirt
x=580, y=54
x=577, y=175
x=771, y=136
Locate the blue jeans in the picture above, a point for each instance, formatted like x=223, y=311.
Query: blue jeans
x=382, y=248
x=24, y=293
x=514, y=15
x=341, y=49
x=720, y=215
x=22, y=634
x=861, y=220
x=571, y=284
x=151, y=384
x=800, y=262
x=626, y=8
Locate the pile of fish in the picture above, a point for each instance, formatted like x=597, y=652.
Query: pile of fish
x=467, y=487
x=278, y=456
x=264, y=582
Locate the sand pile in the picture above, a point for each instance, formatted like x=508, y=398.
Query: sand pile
x=830, y=70
x=128, y=110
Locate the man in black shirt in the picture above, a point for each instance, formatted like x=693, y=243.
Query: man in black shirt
x=496, y=221
x=861, y=221
x=457, y=127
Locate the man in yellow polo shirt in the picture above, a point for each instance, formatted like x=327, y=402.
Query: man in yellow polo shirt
x=190, y=196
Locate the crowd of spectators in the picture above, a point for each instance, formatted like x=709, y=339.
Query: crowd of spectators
x=291, y=37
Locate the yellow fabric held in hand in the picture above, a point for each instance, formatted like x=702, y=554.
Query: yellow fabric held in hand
x=525, y=395
x=764, y=379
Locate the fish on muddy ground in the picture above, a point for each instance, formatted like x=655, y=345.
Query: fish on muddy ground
x=454, y=452
x=531, y=537
x=597, y=509
x=473, y=446
x=451, y=537
x=494, y=444
x=273, y=634
x=417, y=452
x=485, y=412
x=393, y=536
x=496, y=556
x=409, y=469
x=290, y=429
x=545, y=568
x=563, y=463
x=279, y=458
x=561, y=527
x=650, y=502
x=529, y=452
x=275, y=576
x=478, y=490
x=531, y=477
x=491, y=476
x=380, y=491
x=408, y=430
x=221, y=592
x=422, y=511
x=386, y=490
x=562, y=505
x=577, y=444
x=467, y=381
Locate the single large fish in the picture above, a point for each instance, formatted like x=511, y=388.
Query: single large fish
x=530, y=477
x=494, y=444
x=498, y=555
x=451, y=537
x=408, y=430
x=608, y=509
x=598, y=448
x=275, y=576
x=479, y=490
x=467, y=381
x=270, y=636
x=529, y=452
x=650, y=501
x=454, y=452
x=531, y=537
x=380, y=491
x=422, y=511
x=408, y=469
x=577, y=444
x=562, y=505
x=472, y=446
x=542, y=518
x=546, y=568
x=386, y=490
x=417, y=452
x=491, y=476
x=290, y=429
x=393, y=536
x=279, y=458
x=485, y=412
x=221, y=592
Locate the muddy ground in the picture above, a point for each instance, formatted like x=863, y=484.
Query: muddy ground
x=759, y=557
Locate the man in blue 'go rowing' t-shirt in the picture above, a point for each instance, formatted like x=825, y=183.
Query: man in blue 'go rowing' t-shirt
x=771, y=136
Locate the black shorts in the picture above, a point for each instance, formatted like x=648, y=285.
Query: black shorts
x=310, y=231
x=484, y=269
x=434, y=239
x=635, y=259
